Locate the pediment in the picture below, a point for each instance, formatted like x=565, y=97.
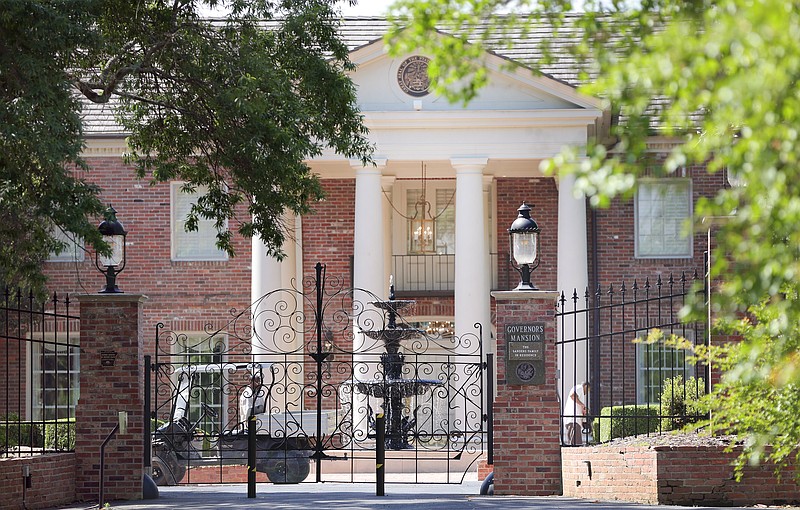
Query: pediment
x=385, y=84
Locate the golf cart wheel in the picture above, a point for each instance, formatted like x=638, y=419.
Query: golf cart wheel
x=287, y=470
x=167, y=470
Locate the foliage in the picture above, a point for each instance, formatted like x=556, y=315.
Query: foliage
x=60, y=435
x=14, y=432
x=721, y=77
x=680, y=402
x=624, y=421
x=234, y=107
x=41, y=136
x=758, y=396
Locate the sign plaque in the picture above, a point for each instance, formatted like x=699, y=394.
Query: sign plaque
x=108, y=358
x=525, y=353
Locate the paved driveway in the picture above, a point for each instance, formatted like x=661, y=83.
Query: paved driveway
x=338, y=496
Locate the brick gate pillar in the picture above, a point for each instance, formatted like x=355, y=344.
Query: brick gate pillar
x=527, y=444
x=111, y=380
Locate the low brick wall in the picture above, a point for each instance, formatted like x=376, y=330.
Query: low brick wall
x=52, y=481
x=671, y=475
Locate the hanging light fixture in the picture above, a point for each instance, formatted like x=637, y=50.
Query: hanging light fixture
x=422, y=229
x=422, y=223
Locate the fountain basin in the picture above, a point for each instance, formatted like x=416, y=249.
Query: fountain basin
x=394, y=387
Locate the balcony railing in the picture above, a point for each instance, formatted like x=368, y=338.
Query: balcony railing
x=432, y=273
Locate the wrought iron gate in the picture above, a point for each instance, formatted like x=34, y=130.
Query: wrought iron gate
x=293, y=384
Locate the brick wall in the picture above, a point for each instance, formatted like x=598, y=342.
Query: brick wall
x=110, y=323
x=616, y=236
x=617, y=263
x=541, y=194
x=12, y=398
x=183, y=295
x=52, y=481
x=684, y=475
x=328, y=239
x=527, y=447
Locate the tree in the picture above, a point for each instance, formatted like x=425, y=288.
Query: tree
x=40, y=137
x=722, y=76
x=232, y=107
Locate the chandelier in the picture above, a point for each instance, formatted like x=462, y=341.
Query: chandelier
x=440, y=328
x=422, y=223
x=421, y=220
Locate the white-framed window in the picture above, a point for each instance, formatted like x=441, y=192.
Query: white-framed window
x=663, y=208
x=195, y=245
x=657, y=362
x=201, y=359
x=437, y=236
x=74, y=251
x=424, y=251
x=54, y=376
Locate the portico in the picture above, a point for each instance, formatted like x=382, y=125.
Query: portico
x=475, y=159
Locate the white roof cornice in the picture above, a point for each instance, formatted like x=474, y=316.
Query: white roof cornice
x=472, y=119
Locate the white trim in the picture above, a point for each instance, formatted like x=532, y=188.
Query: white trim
x=690, y=237
x=478, y=119
x=174, y=191
x=35, y=343
x=109, y=145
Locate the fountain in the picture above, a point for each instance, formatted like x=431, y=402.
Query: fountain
x=392, y=387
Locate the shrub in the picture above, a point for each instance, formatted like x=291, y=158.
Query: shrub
x=623, y=421
x=60, y=435
x=14, y=432
x=679, y=402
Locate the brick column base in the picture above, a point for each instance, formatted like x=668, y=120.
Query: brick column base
x=527, y=443
x=484, y=468
x=111, y=380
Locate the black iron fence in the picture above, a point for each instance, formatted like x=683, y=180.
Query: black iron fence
x=39, y=343
x=625, y=360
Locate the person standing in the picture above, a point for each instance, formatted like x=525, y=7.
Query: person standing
x=575, y=412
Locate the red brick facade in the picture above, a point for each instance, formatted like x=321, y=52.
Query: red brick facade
x=616, y=237
x=111, y=327
x=186, y=296
x=198, y=296
x=52, y=481
x=527, y=446
x=684, y=475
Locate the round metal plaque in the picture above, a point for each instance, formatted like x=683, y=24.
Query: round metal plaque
x=526, y=371
x=412, y=76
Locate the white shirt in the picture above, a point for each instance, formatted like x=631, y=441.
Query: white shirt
x=573, y=413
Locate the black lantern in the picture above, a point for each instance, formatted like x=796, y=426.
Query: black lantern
x=524, y=246
x=114, y=234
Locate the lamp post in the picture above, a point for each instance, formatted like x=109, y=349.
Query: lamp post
x=524, y=246
x=114, y=234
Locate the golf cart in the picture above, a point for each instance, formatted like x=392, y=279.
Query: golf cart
x=282, y=447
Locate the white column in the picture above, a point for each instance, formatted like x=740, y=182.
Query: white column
x=368, y=244
x=472, y=284
x=387, y=183
x=472, y=279
x=572, y=275
x=265, y=278
x=268, y=277
x=368, y=274
x=488, y=345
